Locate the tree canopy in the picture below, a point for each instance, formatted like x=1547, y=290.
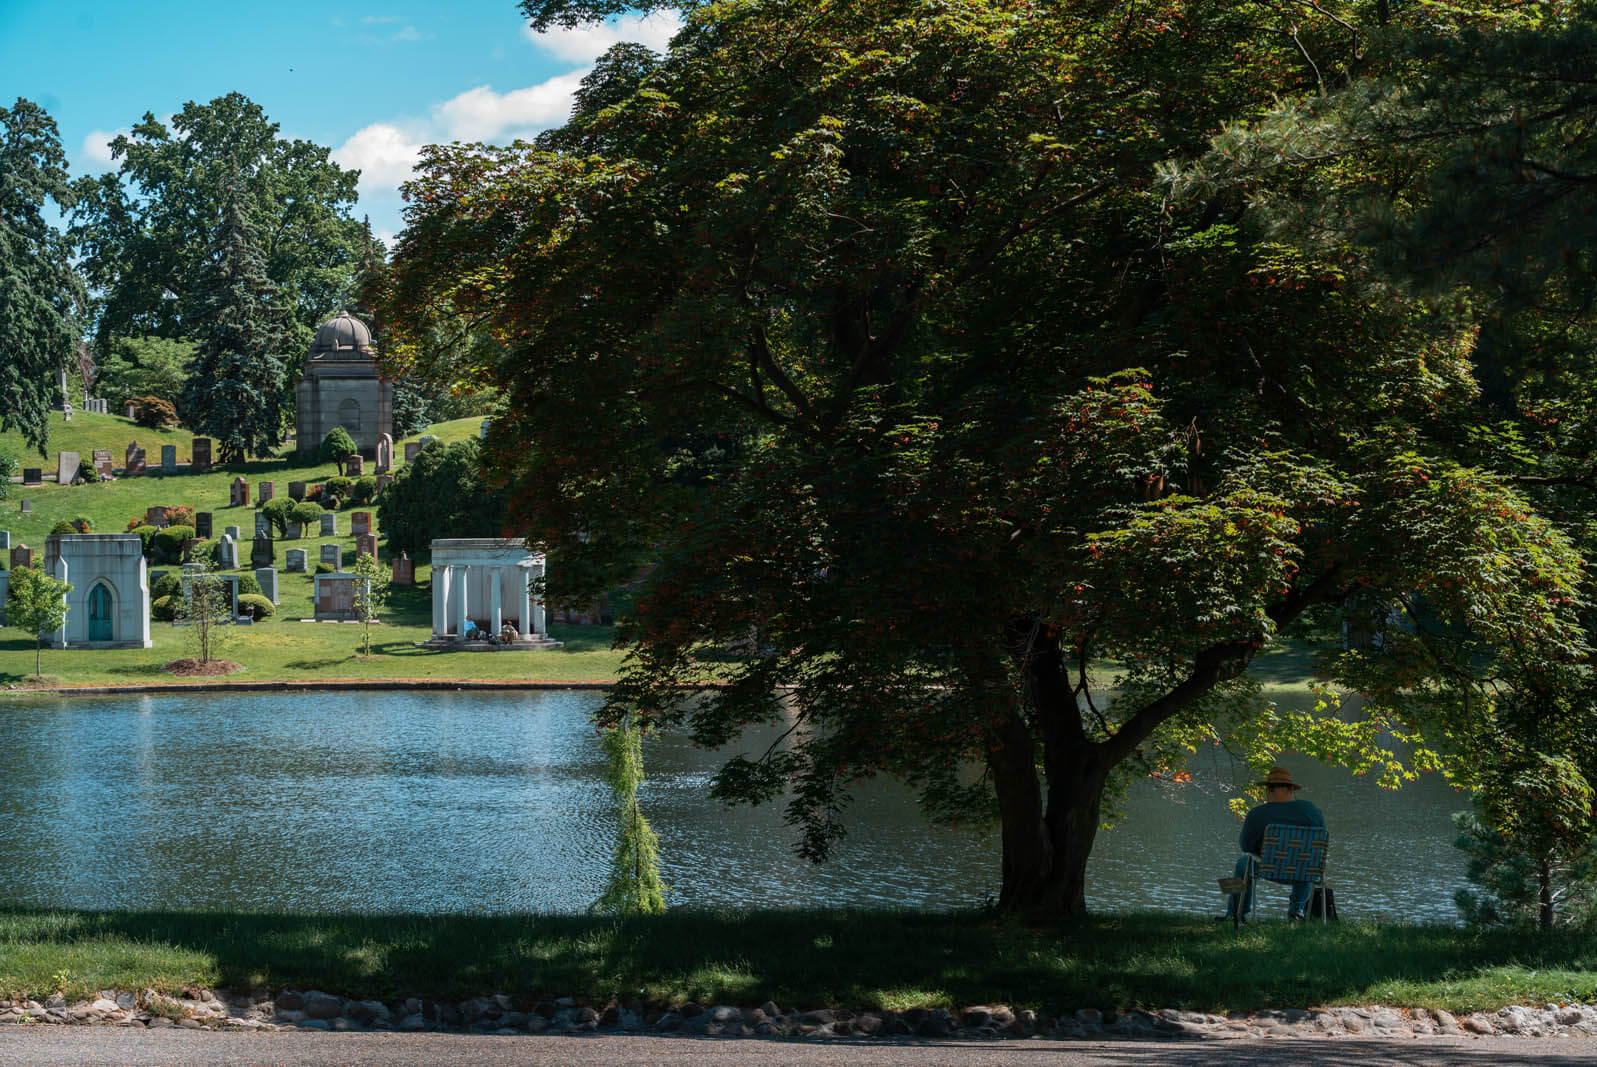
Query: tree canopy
x=912, y=367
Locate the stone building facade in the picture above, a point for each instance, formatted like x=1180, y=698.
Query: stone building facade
x=342, y=387
x=109, y=606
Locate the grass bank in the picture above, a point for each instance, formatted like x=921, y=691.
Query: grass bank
x=860, y=959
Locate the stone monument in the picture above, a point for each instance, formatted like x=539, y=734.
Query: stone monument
x=267, y=491
x=169, y=459
x=341, y=387
x=267, y=576
x=262, y=552
x=334, y=555
x=238, y=494
x=66, y=467
x=102, y=463
x=329, y=524
x=294, y=561
x=202, y=454
x=385, y=454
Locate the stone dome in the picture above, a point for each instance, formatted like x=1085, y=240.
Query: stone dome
x=343, y=335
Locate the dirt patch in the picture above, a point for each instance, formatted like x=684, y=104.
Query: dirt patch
x=193, y=668
x=37, y=681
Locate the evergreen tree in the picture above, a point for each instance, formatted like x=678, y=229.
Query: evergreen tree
x=237, y=378
x=634, y=887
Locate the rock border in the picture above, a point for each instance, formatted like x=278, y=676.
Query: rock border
x=523, y=1014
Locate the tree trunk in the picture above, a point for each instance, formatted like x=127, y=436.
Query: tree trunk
x=1544, y=880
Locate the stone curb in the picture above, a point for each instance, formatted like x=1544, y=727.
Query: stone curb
x=500, y=1013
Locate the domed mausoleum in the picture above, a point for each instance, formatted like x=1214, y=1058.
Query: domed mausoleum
x=341, y=387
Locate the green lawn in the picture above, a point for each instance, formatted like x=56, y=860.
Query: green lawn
x=282, y=647
x=860, y=959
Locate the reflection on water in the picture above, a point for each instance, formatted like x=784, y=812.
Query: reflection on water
x=492, y=801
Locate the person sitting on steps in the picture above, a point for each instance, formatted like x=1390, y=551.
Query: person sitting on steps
x=1280, y=806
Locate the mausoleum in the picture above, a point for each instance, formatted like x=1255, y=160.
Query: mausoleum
x=482, y=583
x=109, y=606
x=341, y=387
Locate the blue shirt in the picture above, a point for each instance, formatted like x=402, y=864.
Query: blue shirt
x=1292, y=812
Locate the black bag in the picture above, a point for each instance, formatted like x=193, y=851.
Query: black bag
x=1322, y=904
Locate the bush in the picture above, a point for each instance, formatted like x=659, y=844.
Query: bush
x=169, y=584
x=276, y=511
x=164, y=608
x=305, y=512
x=441, y=494
x=365, y=490
x=335, y=446
x=62, y=527
x=153, y=412
x=340, y=486
x=255, y=606
x=332, y=501
x=248, y=586
x=82, y=524
x=146, y=534
x=324, y=568
x=169, y=542
x=181, y=515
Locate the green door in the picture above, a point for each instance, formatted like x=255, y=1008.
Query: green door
x=100, y=614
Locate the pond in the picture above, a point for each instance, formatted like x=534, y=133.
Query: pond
x=470, y=801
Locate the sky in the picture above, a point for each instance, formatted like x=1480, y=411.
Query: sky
x=371, y=81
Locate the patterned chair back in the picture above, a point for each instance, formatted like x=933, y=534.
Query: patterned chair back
x=1293, y=853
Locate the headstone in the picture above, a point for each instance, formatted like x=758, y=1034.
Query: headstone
x=189, y=544
x=268, y=490
x=102, y=463
x=385, y=454
x=333, y=554
x=292, y=532
x=267, y=576
x=238, y=493
x=360, y=522
x=294, y=561
x=262, y=552
x=425, y=439
x=366, y=545
x=233, y=532
x=404, y=570
x=482, y=431
x=156, y=516
x=27, y=506
x=411, y=448
x=133, y=446
x=127, y=411
x=383, y=482
x=5, y=589
x=329, y=524
x=135, y=466
x=354, y=465
x=169, y=459
x=227, y=554
x=21, y=556
x=296, y=490
x=202, y=524
x=66, y=467
x=202, y=454
x=156, y=576
x=263, y=525
x=5, y=540
x=32, y=475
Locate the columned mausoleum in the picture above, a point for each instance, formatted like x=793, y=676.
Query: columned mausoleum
x=483, y=582
x=341, y=387
x=109, y=606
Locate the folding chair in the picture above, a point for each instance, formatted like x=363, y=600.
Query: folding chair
x=1289, y=854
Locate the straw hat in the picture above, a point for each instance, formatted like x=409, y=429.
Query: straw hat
x=1279, y=776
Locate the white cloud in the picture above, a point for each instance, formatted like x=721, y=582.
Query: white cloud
x=96, y=148
x=409, y=33
x=481, y=114
x=384, y=154
x=584, y=44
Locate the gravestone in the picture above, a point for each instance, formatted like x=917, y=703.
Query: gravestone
x=404, y=570
x=127, y=411
x=411, y=448
x=296, y=490
x=425, y=439
x=354, y=465
x=268, y=490
x=21, y=556
x=360, y=522
x=329, y=525
x=156, y=576
x=156, y=516
x=202, y=454
x=262, y=552
x=385, y=454
x=233, y=532
x=127, y=456
x=169, y=459
x=294, y=561
x=263, y=525
x=32, y=475
x=333, y=554
x=135, y=466
x=482, y=431
x=238, y=494
x=366, y=545
x=291, y=532
x=102, y=463
x=267, y=576
x=5, y=540
x=383, y=482
x=66, y=467
x=227, y=554
x=202, y=524
x=27, y=506
x=189, y=544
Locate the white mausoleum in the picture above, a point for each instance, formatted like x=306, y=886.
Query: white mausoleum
x=109, y=606
x=485, y=581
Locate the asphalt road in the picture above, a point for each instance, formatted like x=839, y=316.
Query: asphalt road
x=81, y=1045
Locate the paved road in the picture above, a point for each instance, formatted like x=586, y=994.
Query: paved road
x=82, y=1045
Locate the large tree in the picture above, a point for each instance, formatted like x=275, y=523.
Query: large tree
x=871, y=325
x=41, y=294
x=237, y=379
x=143, y=230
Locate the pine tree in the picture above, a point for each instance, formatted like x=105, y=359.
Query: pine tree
x=237, y=379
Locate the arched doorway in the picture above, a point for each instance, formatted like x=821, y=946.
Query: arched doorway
x=100, y=628
x=349, y=415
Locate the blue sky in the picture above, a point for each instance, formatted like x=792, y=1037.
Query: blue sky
x=373, y=82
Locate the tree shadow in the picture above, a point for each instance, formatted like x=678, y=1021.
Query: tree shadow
x=317, y=664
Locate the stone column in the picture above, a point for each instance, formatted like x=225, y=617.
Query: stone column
x=539, y=623
x=461, y=614
x=440, y=601
x=527, y=629
x=58, y=638
x=496, y=577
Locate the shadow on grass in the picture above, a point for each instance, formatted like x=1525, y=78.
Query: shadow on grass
x=318, y=664
x=855, y=958
x=584, y=638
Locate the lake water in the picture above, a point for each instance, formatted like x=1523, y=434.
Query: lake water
x=452, y=802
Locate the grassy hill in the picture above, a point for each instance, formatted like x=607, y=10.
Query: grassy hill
x=281, y=647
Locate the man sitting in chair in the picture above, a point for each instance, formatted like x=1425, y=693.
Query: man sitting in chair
x=1280, y=806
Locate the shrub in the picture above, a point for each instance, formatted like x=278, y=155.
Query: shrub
x=82, y=524
x=181, y=515
x=335, y=446
x=169, y=542
x=247, y=585
x=324, y=568
x=146, y=534
x=169, y=584
x=365, y=490
x=153, y=412
x=305, y=512
x=62, y=527
x=340, y=486
x=276, y=511
x=255, y=606
x=332, y=501
x=164, y=608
